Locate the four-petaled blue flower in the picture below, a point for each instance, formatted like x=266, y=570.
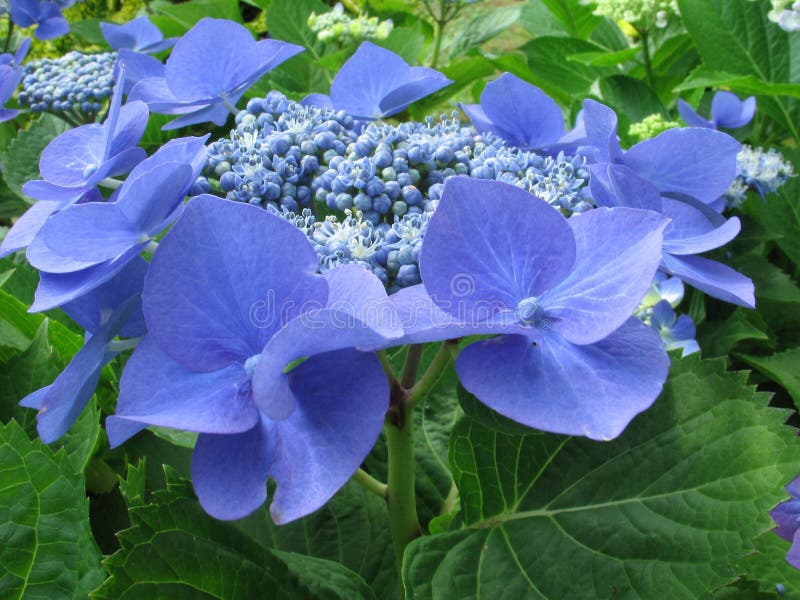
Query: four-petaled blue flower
x=726, y=111
x=787, y=518
x=209, y=69
x=375, y=83
x=570, y=358
x=47, y=17
x=227, y=322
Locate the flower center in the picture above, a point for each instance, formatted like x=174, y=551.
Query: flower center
x=529, y=312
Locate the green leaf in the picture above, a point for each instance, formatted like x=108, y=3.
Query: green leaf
x=770, y=281
x=20, y=159
x=483, y=27
x=174, y=549
x=287, y=20
x=89, y=31
x=718, y=338
x=735, y=36
x=561, y=79
x=671, y=504
x=407, y=42
x=134, y=485
x=780, y=214
x=768, y=566
x=575, y=18
x=11, y=205
x=703, y=77
x=176, y=19
x=781, y=368
x=46, y=548
x=604, y=59
x=631, y=97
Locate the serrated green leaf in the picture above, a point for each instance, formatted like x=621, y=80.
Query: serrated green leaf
x=287, y=20
x=718, y=338
x=483, y=27
x=174, y=549
x=781, y=368
x=671, y=504
x=770, y=281
x=781, y=215
x=768, y=566
x=20, y=159
x=134, y=485
x=576, y=19
x=46, y=545
x=735, y=36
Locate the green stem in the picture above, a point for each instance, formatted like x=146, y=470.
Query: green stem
x=7, y=44
x=440, y=362
x=437, y=43
x=648, y=65
x=400, y=495
x=369, y=483
x=411, y=366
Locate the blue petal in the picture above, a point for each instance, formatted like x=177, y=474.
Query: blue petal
x=320, y=100
x=128, y=128
x=212, y=298
x=617, y=185
x=526, y=116
x=27, y=226
x=67, y=158
x=138, y=67
x=155, y=390
x=618, y=253
x=489, y=245
x=691, y=118
x=600, y=125
x=712, y=277
x=424, y=82
x=593, y=390
x=684, y=236
x=693, y=161
x=56, y=289
x=730, y=112
x=136, y=34
x=330, y=434
x=480, y=121
x=366, y=78
x=150, y=195
x=229, y=472
x=215, y=113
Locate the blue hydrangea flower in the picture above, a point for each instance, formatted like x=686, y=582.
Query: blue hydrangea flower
x=139, y=35
x=46, y=16
x=764, y=171
x=113, y=309
x=84, y=245
x=692, y=162
x=75, y=83
x=226, y=315
x=726, y=111
x=570, y=358
x=15, y=60
x=677, y=332
x=204, y=79
x=375, y=83
x=694, y=228
x=787, y=518
x=522, y=115
x=74, y=163
x=9, y=80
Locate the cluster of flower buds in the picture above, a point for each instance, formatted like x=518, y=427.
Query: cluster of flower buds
x=74, y=82
x=640, y=13
x=337, y=26
x=763, y=171
x=786, y=13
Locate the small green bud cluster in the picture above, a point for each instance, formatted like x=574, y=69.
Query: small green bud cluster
x=650, y=127
x=337, y=26
x=641, y=13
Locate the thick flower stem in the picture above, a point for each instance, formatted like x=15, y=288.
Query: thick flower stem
x=440, y=362
x=400, y=497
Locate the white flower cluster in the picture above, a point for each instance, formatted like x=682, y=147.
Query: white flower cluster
x=638, y=12
x=786, y=13
x=338, y=26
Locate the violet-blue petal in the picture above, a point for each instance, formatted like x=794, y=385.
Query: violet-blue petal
x=320, y=100
x=600, y=124
x=787, y=514
x=618, y=251
x=422, y=83
x=212, y=298
x=691, y=118
x=91, y=310
x=693, y=161
x=159, y=98
x=731, y=113
x=56, y=289
x=490, y=245
x=138, y=34
x=148, y=197
x=229, y=472
x=357, y=291
x=9, y=80
x=480, y=121
x=138, y=67
x=311, y=333
x=366, y=78
x=45, y=15
x=593, y=390
x=6, y=114
x=617, y=185
x=330, y=433
x=215, y=113
x=690, y=232
x=712, y=277
x=27, y=226
x=67, y=158
x=155, y=390
x=521, y=113
x=128, y=128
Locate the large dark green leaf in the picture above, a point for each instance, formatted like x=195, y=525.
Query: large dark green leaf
x=672, y=504
x=46, y=546
x=175, y=19
x=20, y=159
x=574, y=18
x=174, y=549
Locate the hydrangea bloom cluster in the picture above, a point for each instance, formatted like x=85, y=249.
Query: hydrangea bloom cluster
x=657, y=310
x=650, y=127
x=45, y=15
x=764, y=171
x=276, y=151
x=285, y=154
x=73, y=82
x=337, y=26
x=638, y=12
x=786, y=13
